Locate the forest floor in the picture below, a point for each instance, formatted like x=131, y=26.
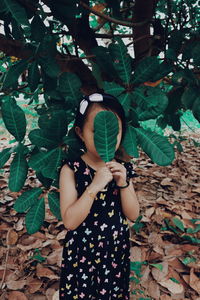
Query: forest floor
x=165, y=242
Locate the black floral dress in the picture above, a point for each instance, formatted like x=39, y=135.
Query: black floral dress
x=96, y=256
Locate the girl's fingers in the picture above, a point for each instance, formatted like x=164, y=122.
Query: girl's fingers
x=117, y=173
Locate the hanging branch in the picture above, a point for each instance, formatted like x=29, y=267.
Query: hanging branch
x=100, y=26
x=110, y=36
x=112, y=20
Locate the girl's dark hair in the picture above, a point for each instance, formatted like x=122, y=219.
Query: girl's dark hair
x=109, y=102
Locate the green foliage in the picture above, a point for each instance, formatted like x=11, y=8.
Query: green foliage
x=151, y=102
x=178, y=228
x=106, y=129
x=11, y=78
x=17, y=11
x=54, y=205
x=35, y=216
x=155, y=146
x=4, y=156
x=27, y=199
x=18, y=172
x=130, y=142
x=121, y=60
x=145, y=70
x=52, y=57
x=14, y=118
x=33, y=76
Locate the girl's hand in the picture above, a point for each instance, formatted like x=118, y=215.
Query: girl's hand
x=102, y=177
x=118, y=171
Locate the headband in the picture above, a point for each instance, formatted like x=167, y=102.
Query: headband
x=92, y=98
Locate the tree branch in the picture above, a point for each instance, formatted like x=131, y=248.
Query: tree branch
x=112, y=20
x=143, y=10
x=110, y=36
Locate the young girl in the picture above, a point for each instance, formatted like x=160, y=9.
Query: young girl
x=95, y=199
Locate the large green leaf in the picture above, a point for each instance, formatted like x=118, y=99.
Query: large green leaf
x=69, y=85
x=37, y=161
x=4, y=156
x=96, y=71
x=183, y=77
x=113, y=88
x=174, y=100
x=54, y=204
x=130, y=142
x=196, y=109
x=151, y=102
x=3, y=7
x=65, y=10
x=54, y=121
x=46, y=182
x=33, y=76
x=17, y=11
x=16, y=30
x=106, y=129
x=189, y=96
x=155, y=146
x=195, y=55
x=53, y=159
x=14, y=119
x=121, y=60
x=11, y=78
x=176, y=39
x=38, y=29
x=18, y=172
x=125, y=100
x=146, y=70
x=173, y=120
x=73, y=144
x=47, y=47
x=27, y=199
x=104, y=61
x=35, y=216
x=40, y=139
x=164, y=69
x=49, y=66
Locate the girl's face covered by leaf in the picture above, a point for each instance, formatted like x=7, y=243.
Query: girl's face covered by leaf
x=87, y=134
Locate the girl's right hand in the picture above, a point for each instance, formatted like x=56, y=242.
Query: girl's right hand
x=102, y=177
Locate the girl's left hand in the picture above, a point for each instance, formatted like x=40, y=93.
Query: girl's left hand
x=118, y=171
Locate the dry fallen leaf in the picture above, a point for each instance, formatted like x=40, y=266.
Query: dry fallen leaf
x=17, y=296
x=173, y=287
x=194, y=281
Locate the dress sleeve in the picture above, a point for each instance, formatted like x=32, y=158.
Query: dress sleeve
x=69, y=163
x=129, y=170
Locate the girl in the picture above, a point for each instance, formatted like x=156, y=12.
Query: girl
x=95, y=199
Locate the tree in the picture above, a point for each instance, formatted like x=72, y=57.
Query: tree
x=53, y=50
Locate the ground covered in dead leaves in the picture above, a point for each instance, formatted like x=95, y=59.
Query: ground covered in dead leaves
x=165, y=240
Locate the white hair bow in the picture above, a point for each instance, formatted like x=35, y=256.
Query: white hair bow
x=92, y=98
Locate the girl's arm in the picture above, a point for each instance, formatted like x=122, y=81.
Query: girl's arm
x=74, y=211
x=130, y=205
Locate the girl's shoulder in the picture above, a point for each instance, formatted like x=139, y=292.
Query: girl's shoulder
x=73, y=163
